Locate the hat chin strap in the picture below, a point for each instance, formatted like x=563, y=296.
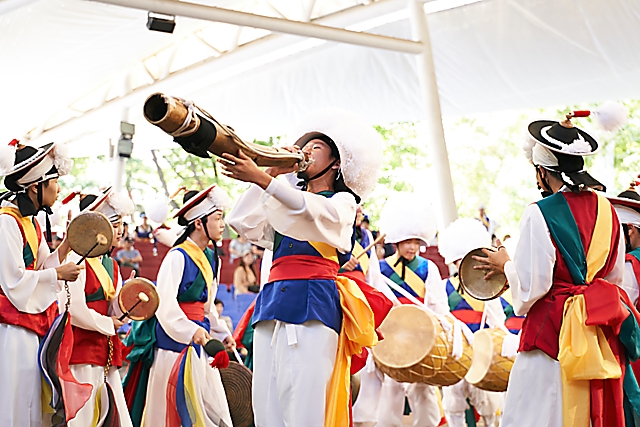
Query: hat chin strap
x=305, y=181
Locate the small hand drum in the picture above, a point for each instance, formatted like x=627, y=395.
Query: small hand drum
x=90, y=234
x=473, y=281
x=132, y=299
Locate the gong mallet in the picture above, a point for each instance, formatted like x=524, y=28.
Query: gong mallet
x=101, y=239
x=379, y=239
x=142, y=297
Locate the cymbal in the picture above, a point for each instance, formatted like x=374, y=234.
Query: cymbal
x=473, y=281
x=90, y=234
x=131, y=301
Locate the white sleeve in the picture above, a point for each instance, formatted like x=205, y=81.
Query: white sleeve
x=30, y=291
x=265, y=266
x=616, y=276
x=218, y=329
x=310, y=217
x=530, y=274
x=81, y=315
x=172, y=319
x=249, y=219
x=436, y=290
x=630, y=283
x=374, y=264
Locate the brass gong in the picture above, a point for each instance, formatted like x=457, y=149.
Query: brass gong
x=130, y=300
x=90, y=234
x=473, y=281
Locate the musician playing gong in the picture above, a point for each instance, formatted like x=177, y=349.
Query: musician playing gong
x=454, y=242
x=182, y=389
x=581, y=330
x=306, y=315
x=94, y=313
x=29, y=274
x=409, y=223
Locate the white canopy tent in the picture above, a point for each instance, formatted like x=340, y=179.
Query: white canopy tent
x=72, y=69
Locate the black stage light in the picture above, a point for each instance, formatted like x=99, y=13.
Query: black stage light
x=161, y=23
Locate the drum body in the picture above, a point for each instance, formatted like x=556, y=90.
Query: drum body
x=453, y=370
x=415, y=346
x=489, y=370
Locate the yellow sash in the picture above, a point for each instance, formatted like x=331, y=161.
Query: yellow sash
x=327, y=251
x=357, y=332
x=584, y=352
x=410, y=277
x=103, y=277
x=364, y=260
x=28, y=227
x=199, y=258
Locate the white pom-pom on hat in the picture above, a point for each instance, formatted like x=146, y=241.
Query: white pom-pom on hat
x=61, y=159
x=461, y=237
x=158, y=210
x=7, y=156
x=408, y=216
x=611, y=116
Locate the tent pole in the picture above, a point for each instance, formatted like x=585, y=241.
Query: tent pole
x=277, y=25
x=433, y=116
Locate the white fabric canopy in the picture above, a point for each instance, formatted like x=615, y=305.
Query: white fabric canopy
x=489, y=55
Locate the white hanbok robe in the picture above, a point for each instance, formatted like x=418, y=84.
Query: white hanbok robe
x=89, y=319
x=292, y=363
x=30, y=291
x=212, y=397
x=534, y=394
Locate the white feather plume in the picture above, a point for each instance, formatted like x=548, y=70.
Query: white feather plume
x=461, y=237
x=7, y=158
x=61, y=159
x=219, y=198
x=527, y=146
x=611, y=116
x=408, y=216
x=158, y=210
x=121, y=203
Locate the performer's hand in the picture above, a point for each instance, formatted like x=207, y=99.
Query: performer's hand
x=201, y=337
x=351, y=264
x=69, y=272
x=229, y=343
x=117, y=323
x=493, y=263
x=243, y=168
x=132, y=275
x=63, y=249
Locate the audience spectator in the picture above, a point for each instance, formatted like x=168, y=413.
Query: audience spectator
x=129, y=256
x=220, y=308
x=365, y=221
x=244, y=276
x=237, y=247
x=144, y=231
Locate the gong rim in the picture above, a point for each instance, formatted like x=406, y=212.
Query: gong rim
x=237, y=383
x=128, y=297
x=83, y=231
x=473, y=282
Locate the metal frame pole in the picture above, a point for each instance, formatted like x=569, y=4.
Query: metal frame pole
x=277, y=25
x=433, y=116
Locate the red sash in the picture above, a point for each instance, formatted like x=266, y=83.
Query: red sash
x=92, y=347
x=193, y=310
x=10, y=315
x=303, y=267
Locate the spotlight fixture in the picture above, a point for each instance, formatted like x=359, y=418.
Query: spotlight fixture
x=161, y=23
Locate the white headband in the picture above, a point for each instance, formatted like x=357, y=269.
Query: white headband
x=544, y=157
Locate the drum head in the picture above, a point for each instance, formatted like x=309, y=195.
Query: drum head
x=236, y=380
x=86, y=230
x=130, y=295
x=473, y=281
x=409, y=335
x=482, y=356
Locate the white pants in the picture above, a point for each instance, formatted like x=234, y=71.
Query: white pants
x=365, y=410
x=212, y=398
x=454, y=402
x=423, y=400
x=94, y=375
x=20, y=393
x=534, y=394
x=292, y=367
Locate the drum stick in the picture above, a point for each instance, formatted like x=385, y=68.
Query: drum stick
x=178, y=191
x=100, y=240
x=379, y=239
x=142, y=297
